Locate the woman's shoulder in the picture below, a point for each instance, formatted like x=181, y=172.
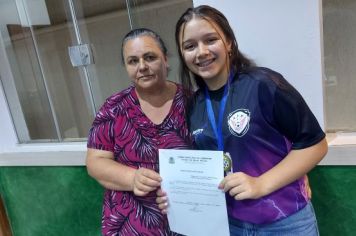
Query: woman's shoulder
x=118, y=101
x=180, y=89
x=120, y=95
x=182, y=93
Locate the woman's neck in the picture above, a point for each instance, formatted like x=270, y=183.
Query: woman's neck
x=157, y=104
x=159, y=96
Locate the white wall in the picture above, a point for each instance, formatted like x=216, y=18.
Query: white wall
x=284, y=35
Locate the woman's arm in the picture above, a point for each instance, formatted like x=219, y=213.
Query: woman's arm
x=296, y=164
x=116, y=176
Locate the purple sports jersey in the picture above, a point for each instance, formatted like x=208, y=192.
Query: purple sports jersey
x=265, y=117
x=122, y=128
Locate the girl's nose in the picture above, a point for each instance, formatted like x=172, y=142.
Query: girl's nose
x=202, y=50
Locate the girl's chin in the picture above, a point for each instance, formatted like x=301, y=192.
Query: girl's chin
x=206, y=75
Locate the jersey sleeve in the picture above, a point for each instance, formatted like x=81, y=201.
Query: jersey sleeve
x=101, y=134
x=294, y=119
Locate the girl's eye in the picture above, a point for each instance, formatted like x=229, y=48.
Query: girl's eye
x=211, y=40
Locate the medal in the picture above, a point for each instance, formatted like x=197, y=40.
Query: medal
x=227, y=163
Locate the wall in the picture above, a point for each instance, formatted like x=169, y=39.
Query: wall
x=334, y=199
x=57, y=201
x=52, y=201
x=284, y=35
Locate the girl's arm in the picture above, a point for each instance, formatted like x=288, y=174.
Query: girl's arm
x=296, y=164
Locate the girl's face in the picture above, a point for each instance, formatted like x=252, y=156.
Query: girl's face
x=145, y=62
x=205, y=51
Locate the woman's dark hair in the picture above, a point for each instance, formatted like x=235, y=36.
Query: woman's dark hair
x=238, y=62
x=135, y=33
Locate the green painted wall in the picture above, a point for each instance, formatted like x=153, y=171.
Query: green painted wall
x=51, y=201
x=334, y=199
x=57, y=201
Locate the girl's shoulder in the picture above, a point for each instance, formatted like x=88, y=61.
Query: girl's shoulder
x=261, y=74
x=265, y=77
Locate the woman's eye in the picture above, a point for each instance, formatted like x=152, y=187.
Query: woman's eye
x=150, y=58
x=132, y=61
x=188, y=47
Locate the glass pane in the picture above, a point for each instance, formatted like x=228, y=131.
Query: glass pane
x=52, y=94
x=340, y=64
x=103, y=24
x=161, y=16
x=66, y=84
x=23, y=83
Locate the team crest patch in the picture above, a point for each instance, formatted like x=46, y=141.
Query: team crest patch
x=239, y=122
x=197, y=132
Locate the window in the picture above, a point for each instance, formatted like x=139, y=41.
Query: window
x=339, y=28
x=49, y=99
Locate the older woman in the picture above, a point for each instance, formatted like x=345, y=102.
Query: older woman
x=126, y=134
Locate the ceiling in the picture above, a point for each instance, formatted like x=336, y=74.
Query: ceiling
x=59, y=10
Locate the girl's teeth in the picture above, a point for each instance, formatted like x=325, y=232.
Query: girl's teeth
x=205, y=63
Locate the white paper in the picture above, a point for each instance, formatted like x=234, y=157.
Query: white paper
x=191, y=178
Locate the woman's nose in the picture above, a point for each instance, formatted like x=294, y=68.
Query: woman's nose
x=142, y=65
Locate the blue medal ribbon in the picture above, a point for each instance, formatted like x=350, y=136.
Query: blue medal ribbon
x=217, y=127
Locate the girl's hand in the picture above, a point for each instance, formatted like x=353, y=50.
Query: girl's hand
x=145, y=181
x=162, y=201
x=242, y=186
x=294, y=166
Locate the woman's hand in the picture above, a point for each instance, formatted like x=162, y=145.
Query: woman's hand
x=162, y=201
x=145, y=181
x=242, y=186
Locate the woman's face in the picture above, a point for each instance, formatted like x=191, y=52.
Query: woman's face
x=145, y=62
x=205, y=51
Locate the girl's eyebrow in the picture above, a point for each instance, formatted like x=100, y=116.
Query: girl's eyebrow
x=205, y=35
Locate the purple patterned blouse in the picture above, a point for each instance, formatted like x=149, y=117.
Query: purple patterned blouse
x=122, y=128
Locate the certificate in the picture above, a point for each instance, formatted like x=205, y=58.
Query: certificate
x=196, y=206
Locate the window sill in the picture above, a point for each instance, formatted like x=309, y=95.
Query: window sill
x=52, y=154
x=341, y=138
x=342, y=151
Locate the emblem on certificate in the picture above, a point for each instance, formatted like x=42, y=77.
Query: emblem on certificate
x=227, y=163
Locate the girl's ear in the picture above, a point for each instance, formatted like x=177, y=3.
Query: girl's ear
x=229, y=46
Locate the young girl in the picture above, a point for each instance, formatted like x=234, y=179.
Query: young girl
x=258, y=119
